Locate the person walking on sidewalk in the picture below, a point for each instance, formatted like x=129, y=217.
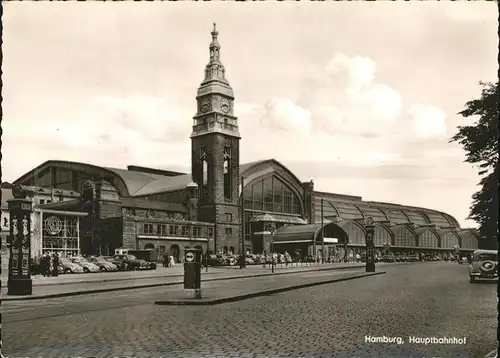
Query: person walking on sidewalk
x=165, y=260
x=172, y=261
x=55, y=265
x=44, y=265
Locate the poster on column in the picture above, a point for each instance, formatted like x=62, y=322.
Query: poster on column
x=25, y=265
x=5, y=221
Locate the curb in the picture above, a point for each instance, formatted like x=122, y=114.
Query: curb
x=209, y=302
x=102, y=290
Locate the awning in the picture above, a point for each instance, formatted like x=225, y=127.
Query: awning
x=296, y=233
x=67, y=205
x=277, y=219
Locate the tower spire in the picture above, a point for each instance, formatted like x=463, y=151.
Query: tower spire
x=214, y=46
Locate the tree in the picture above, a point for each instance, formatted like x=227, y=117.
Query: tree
x=480, y=142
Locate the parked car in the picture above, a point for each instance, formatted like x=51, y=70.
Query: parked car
x=484, y=265
x=85, y=264
x=66, y=266
x=387, y=258
x=104, y=265
x=131, y=263
x=413, y=258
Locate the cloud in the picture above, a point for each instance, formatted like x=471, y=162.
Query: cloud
x=341, y=99
x=344, y=100
x=284, y=114
x=358, y=71
x=427, y=121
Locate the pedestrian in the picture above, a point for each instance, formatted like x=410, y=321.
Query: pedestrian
x=55, y=264
x=172, y=261
x=44, y=265
x=165, y=260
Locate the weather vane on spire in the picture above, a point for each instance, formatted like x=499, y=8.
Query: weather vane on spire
x=215, y=28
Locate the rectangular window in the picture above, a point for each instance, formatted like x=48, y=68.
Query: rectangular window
x=227, y=173
x=229, y=231
x=174, y=230
x=278, y=195
x=162, y=229
x=196, y=231
x=247, y=197
x=248, y=225
x=258, y=201
x=210, y=232
x=42, y=201
x=184, y=230
x=287, y=200
x=148, y=229
x=229, y=217
x=295, y=205
x=268, y=194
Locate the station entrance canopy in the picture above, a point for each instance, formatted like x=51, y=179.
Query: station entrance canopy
x=310, y=233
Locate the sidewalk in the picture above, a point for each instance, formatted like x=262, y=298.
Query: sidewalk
x=48, y=287
x=178, y=271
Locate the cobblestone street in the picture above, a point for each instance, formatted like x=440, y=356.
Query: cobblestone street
x=422, y=300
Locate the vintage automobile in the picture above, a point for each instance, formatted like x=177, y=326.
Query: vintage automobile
x=127, y=262
x=85, y=264
x=484, y=265
x=66, y=266
x=387, y=258
x=104, y=265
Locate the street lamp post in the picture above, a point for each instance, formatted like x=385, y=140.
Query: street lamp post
x=272, y=230
x=370, y=248
x=242, y=206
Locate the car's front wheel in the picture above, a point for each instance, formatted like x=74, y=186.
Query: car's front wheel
x=68, y=271
x=472, y=279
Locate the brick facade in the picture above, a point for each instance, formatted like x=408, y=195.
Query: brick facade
x=213, y=206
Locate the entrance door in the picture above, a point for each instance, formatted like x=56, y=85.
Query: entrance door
x=175, y=251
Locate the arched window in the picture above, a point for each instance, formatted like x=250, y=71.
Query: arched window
x=404, y=237
x=428, y=239
x=205, y=172
x=355, y=234
x=449, y=240
x=381, y=236
x=272, y=195
x=227, y=173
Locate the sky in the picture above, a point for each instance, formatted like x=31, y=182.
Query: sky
x=360, y=97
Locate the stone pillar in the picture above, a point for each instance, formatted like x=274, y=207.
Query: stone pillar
x=308, y=189
x=192, y=201
x=19, y=282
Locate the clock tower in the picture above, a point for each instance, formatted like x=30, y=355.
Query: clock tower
x=215, y=156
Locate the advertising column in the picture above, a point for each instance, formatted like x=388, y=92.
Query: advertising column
x=19, y=282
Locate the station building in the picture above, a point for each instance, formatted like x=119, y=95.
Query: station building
x=220, y=202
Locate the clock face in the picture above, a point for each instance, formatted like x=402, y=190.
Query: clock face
x=225, y=106
x=205, y=106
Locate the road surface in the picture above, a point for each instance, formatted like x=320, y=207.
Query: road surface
x=424, y=300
